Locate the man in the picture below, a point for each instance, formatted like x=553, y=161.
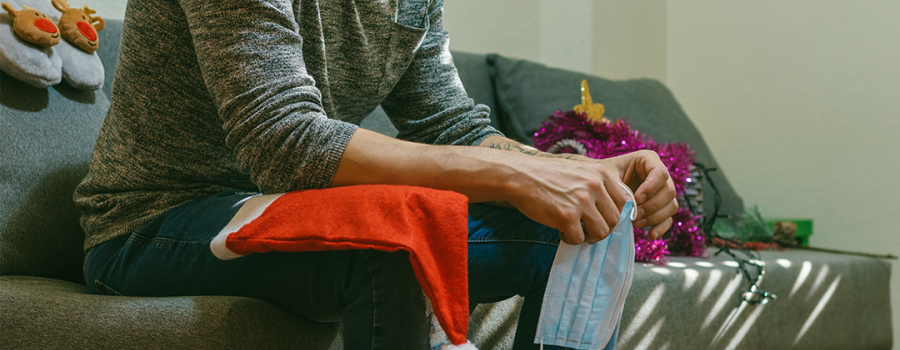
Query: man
x=215, y=101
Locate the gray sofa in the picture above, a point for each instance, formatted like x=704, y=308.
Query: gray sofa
x=46, y=137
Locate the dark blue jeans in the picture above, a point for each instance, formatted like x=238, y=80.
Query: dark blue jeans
x=509, y=255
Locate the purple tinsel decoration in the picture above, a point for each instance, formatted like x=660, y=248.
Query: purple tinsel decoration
x=687, y=236
x=650, y=250
x=604, y=140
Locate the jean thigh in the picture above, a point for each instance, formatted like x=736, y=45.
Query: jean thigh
x=171, y=256
x=509, y=254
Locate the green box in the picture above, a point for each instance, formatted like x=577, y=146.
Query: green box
x=804, y=229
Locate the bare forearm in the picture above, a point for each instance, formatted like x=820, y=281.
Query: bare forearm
x=503, y=143
x=370, y=158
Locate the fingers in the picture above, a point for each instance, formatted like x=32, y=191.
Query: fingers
x=658, y=201
x=587, y=224
x=594, y=217
x=618, y=194
x=659, y=216
x=596, y=226
x=657, y=179
x=654, y=194
x=570, y=229
x=591, y=228
x=658, y=230
x=608, y=208
x=572, y=235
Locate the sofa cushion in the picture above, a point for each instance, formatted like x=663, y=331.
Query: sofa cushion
x=41, y=313
x=527, y=93
x=825, y=301
x=46, y=139
x=45, y=313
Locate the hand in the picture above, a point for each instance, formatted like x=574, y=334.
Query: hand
x=653, y=188
x=563, y=193
x=564, y=190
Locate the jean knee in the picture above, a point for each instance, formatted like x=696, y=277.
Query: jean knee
x=386, y=306
x=499, y=270
x=390, y=272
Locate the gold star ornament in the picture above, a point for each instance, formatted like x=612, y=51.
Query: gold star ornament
x=594, y=111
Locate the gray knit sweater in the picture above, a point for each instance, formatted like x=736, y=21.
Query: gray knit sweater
x=262, y=95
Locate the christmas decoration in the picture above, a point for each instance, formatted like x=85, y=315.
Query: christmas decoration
x=394, y=218
x=584, y=130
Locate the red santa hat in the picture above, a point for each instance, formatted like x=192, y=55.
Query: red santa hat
x=431, y=225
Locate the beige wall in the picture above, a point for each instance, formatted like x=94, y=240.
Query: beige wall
x=630, y=39
x=538, y=30
x=617, y=39
x=799, y=100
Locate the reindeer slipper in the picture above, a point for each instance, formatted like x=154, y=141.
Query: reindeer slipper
x=27, y=40
x=81, y=67
x=75, y=59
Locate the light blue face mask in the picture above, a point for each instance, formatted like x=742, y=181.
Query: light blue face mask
x=587, y=287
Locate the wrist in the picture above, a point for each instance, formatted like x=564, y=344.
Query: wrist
x=481, y=174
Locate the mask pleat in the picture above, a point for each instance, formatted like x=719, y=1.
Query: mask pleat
x=573, y=294
x=592, y=290
x=587, y=289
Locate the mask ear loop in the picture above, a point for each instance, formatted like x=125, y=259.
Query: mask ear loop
x=633, y=200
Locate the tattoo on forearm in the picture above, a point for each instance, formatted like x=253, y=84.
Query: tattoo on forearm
x=508, y=146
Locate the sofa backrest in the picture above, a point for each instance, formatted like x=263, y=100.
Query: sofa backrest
x=46, y=139
x=110, y=38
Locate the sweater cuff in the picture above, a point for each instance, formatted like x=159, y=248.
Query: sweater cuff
x=335, y=152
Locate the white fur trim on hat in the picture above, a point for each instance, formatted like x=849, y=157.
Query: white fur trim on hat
x=467, y=346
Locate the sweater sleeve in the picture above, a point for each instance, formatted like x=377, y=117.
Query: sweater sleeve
x=429, y=103
x=250, y=55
